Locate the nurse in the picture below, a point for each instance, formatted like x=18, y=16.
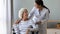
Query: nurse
x=40, y=15
x=25, y=25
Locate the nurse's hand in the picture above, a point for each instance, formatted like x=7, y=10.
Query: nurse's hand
x=17, y=21
x=38, y=22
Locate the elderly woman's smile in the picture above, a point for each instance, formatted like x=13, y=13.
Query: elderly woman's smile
x=25, y=15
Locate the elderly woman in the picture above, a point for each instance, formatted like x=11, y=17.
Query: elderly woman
x=24, y=25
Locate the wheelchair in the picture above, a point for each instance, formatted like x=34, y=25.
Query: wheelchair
x=32, y=32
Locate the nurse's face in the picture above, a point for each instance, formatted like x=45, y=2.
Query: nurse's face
x=25, y=14
x=37, y=6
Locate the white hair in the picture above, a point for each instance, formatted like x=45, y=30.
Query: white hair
x=21, y=12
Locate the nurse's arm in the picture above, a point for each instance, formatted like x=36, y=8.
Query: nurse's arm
x=18, y=21
x=31, y=13
x=34, y=27
x=39, y=18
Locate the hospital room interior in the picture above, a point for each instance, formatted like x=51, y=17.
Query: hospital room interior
x=12, y=7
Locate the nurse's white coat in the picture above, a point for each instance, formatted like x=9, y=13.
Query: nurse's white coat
x=42, y=16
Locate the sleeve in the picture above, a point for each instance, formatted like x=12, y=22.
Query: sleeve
x=38, y=18
x=35, y=27
x=31, y=13
x=46, y=17
x=16, y=28
x=35, y=19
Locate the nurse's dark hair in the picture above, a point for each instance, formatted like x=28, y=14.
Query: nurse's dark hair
x=40, y=2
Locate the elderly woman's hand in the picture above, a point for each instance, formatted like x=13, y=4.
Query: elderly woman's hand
x=27, y=32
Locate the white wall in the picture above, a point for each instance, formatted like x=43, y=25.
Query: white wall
x=53, y=5
x=17, y=4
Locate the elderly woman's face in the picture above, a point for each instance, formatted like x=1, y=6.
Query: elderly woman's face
x=25, y=14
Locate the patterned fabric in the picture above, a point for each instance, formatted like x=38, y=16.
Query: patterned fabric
x=23, y=26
